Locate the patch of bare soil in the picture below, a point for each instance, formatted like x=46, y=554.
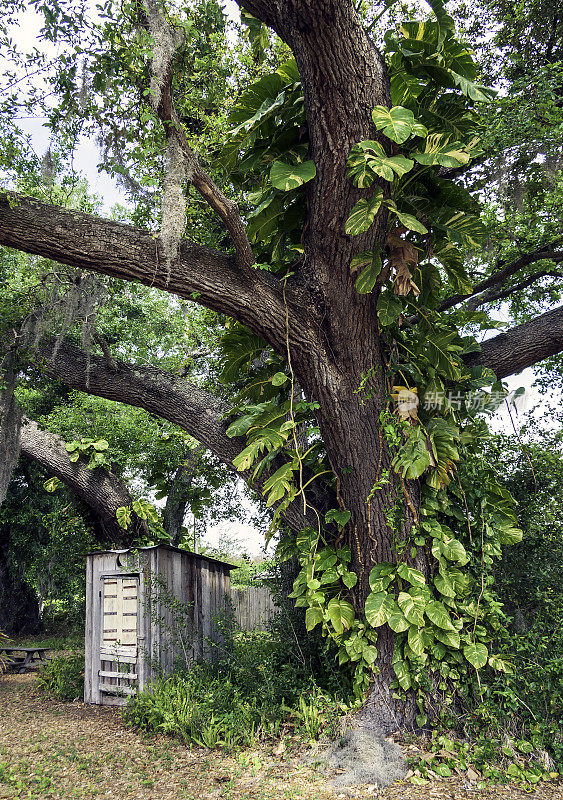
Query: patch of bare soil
x=50, y=749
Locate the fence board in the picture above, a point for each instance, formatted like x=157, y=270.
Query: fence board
x=253, y=606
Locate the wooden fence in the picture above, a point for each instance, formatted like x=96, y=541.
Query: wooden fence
x=253, y=606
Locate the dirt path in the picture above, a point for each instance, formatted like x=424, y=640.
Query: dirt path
x=59, y=750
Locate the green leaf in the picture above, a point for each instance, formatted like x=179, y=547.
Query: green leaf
x=389, y=309
x=52, y=485
x=366, y=162
x=413, y=576
x=508, y=534
x=338, y=515
x=438, y=151
x=412, y=605
x=325, y=559
x=444, y=586
x=367, y=278
x=500, y=664
x=438, y=614
x=349, y=579
x=312, y=617
x=123, y=515
x=416, y=641
x=288, y=176
x=341, y=614
x=397, y=123
x=477, y=654
x=410, y=222
x=100, y=445
x=279, y=379
x=379, y=607
x=403, y=674
x=369, y=654
x=363, y=214
x=397, y=620
x=453, y=550
x=461, y=228
x=449, y=638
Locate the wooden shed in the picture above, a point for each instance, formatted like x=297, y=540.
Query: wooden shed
x=146, y=608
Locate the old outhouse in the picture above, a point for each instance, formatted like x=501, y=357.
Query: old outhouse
x=145, y=609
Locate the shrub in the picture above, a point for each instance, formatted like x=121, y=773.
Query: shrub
x=4, y=639
x=63, y=677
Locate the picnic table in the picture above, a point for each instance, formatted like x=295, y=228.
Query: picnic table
x=20, y=659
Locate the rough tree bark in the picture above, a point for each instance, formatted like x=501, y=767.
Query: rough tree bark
x=178, y=496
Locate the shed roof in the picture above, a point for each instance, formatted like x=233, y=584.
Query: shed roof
x=163, y=547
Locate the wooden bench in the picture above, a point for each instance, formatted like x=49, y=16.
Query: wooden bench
x=20, y=659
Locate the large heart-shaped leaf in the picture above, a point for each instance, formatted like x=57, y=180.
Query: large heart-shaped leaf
x=397, y=620
x=363, y=214
x=438, y=614
x=412, y=605
x=449, y=638
x=341, y=614
x=476, y=653
x=397, y=123
x=379, y=607
x=289, y=176
x=413, y=576
x=312, y=617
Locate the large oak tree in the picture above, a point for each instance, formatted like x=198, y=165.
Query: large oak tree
x=338, y=353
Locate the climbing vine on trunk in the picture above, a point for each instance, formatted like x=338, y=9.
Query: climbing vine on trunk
x=435, y=594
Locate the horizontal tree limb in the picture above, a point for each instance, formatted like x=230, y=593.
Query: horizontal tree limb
x=522, y=346
x=547, y=252
x=209, y=277
x=494, y=294
x=102, y=491
x=193, y=409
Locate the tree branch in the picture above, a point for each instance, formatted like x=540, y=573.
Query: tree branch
x=102, y=491
x=196, y=411
x=201, y=274
x=226, y=209
x=504, y=271
x=494, y=293
x=522, y=346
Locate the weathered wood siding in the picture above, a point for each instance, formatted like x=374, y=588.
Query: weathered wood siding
x=253, y=606
x=178, y=596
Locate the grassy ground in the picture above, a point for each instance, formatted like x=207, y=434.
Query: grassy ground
x=50, y=749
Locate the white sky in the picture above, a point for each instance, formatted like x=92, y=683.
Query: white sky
x=86, y=162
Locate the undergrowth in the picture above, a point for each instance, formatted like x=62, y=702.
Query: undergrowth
x=63, y=677
x=250, y=695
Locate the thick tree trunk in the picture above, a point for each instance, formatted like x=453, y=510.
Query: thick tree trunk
x=19, y=605
x=178, y=496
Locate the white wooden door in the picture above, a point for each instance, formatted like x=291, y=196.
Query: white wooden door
x=119, y=650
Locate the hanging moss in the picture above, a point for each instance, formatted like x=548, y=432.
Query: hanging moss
x=173, y=207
